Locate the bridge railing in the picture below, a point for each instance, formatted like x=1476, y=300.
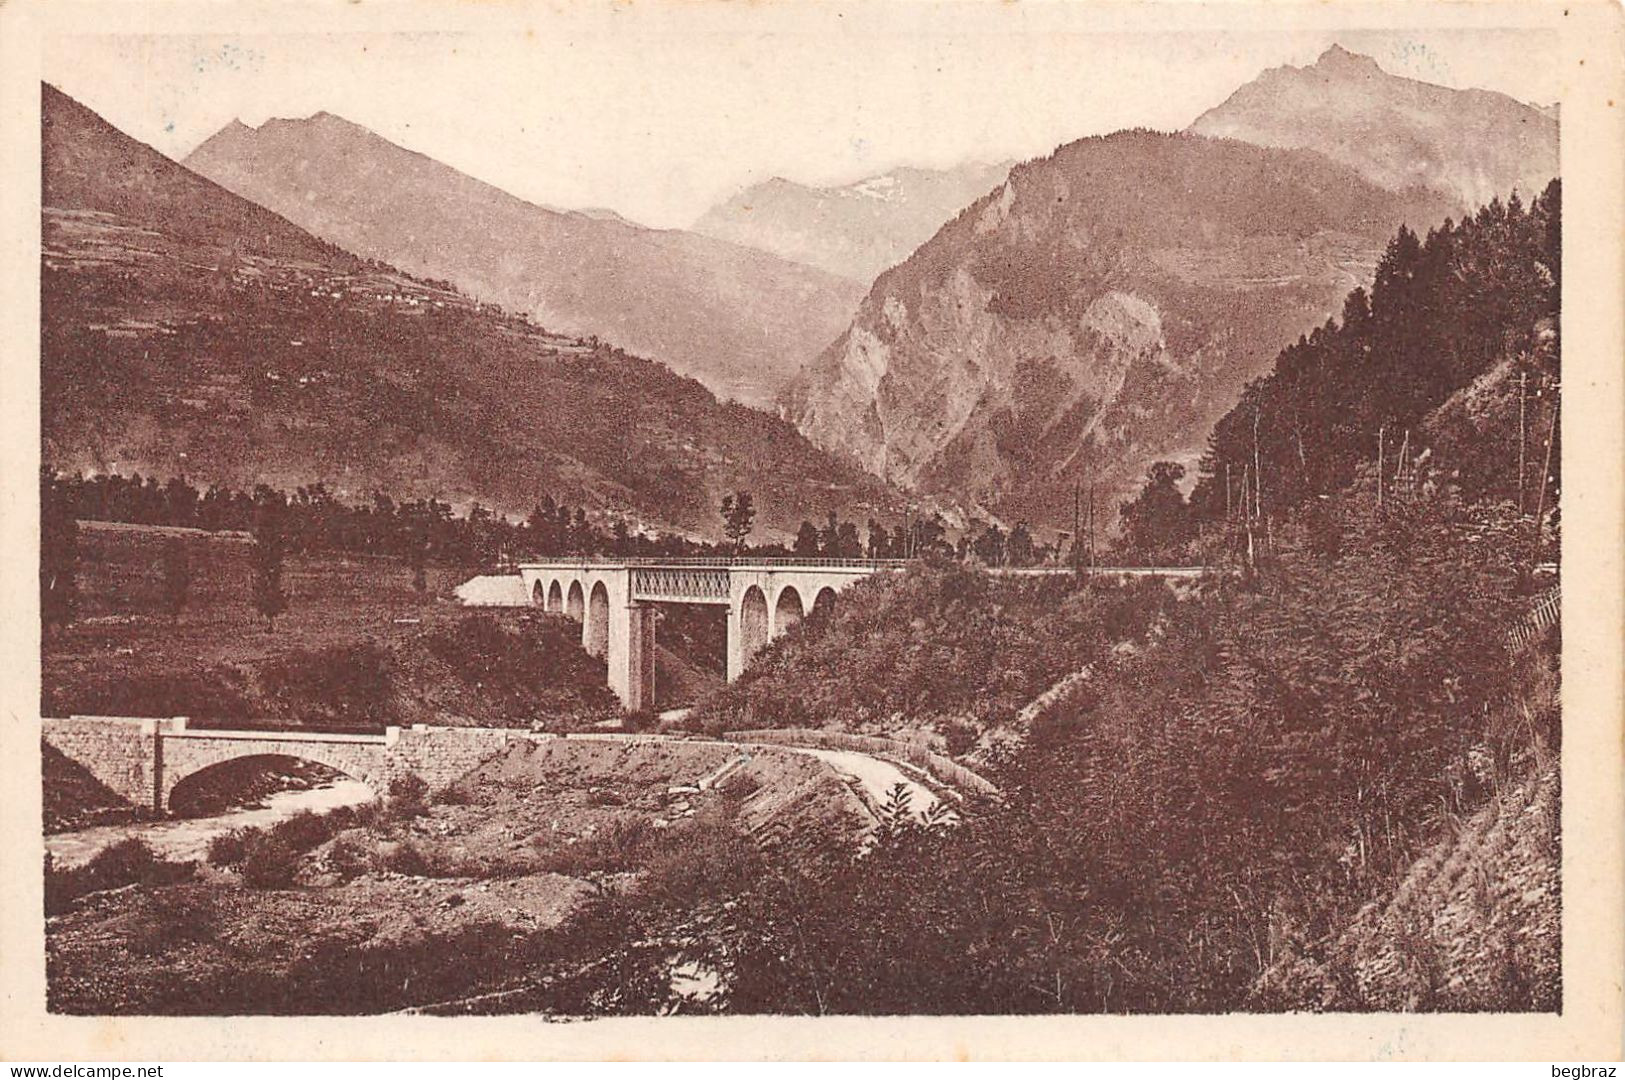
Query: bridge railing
x=720, y=562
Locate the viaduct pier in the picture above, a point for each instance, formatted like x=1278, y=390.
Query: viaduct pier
x=614, y=600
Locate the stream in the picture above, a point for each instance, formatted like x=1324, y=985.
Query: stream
x=187, y=839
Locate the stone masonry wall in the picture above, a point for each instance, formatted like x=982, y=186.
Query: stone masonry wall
x=442, y=755
x=118, y=751
x=143, y=760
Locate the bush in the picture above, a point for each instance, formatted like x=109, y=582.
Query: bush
x=405, y=858
x=620, y=845
x=125, y=862
x=350, y=857
x=739, y=787
x=307, y=830
x=303, y=832
x=455, y=795
x=229, y=849
x=128, y=862
x=270, y=862
x=408, y=797
x=959, y=737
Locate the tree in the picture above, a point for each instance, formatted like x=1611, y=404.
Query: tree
x=829, y=537
x=420, y=563
x=879, y=544
x=177, y=576
x=269, y=545
x=1155, y=522
x=738, y=517
x=847, y=543
x=806, y=540
x=1018, y=549
x=989, y=546
x=59, y=555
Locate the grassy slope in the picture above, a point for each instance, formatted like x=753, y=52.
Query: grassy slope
x=188, y=332
x=932, y=651
x=338, y=657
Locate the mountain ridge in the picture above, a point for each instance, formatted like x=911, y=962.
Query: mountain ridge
x=1397, y=132
x=1101, y=308
x=738, y=319
x=855, y=230
x=187, y=332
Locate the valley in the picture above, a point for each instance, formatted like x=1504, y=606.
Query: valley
x=1123, y=581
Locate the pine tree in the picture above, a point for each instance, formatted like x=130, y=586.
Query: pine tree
x=59, y=555
x=269, y=545
x=738, y=517
x=177, y=576
x=420, y=564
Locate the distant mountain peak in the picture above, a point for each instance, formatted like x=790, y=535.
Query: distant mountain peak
x=1397, y=132
x=737, y=319
x=857, y=229
x=1338, y=59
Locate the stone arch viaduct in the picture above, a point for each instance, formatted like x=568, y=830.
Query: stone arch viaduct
x=614, y=601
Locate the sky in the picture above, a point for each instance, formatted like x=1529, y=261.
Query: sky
x=659, y=112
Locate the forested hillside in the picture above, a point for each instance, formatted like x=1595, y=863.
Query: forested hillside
x=1098, y=310
x=1443, y=312
x=1274, y=790
x=1446, y=373
x=942, y=654
x=1233, y=783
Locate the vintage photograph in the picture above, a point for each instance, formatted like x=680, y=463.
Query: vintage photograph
x=593, y=519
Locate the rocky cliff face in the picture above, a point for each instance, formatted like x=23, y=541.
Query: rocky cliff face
x=1097, y=311
x=854, y=230
x=1472, y=145
x=739, y=320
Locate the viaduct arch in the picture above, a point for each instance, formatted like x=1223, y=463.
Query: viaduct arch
x=614, y=601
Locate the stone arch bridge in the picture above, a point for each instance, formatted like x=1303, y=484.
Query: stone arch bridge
x=614, y=601
x=144, y=759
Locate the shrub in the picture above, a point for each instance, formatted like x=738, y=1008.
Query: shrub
x=307, y=830
x=342, y=686
x=617, y=846
x=350, y=857
x=959, y=737
x=739, y=787
x=229, y=849
x=408, y=797
x=270, y=862
x=127, y=862
x=405, y=858
x=455, y=795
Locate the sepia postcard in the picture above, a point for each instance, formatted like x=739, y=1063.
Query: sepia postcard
x=813, y=530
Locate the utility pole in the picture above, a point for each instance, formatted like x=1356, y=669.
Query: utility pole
x=1247, y=511
x=1545, y=478
x=1404, y=458
x=1381, y=431
x=1091, y=526
x=1076, y=499
x=1523, y=397
x=1258, y=473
